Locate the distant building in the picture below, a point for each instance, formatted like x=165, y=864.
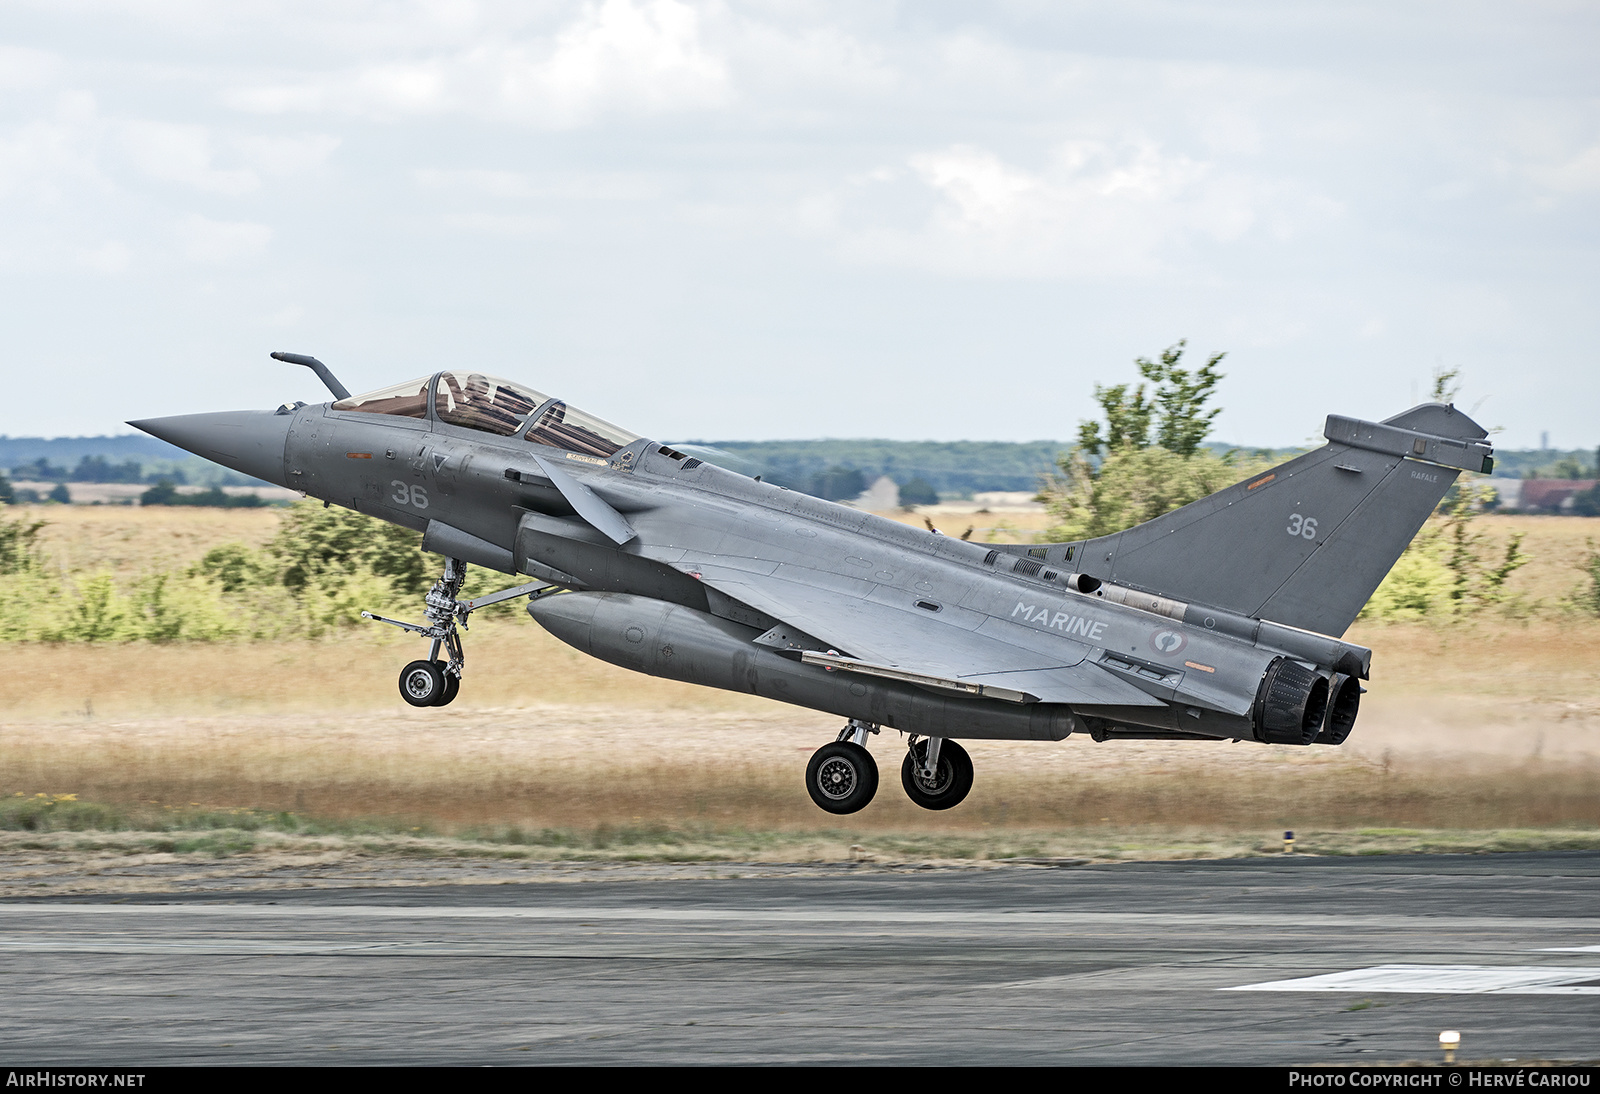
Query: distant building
x=1507, y=493
x=1008, y=499
x=1549, y=495
x=881, y=497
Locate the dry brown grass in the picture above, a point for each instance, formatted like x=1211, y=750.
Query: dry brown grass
x=1001, y=527
x=1495, y=729
x=1556, y=548
x=130, y=541
x=584, y=767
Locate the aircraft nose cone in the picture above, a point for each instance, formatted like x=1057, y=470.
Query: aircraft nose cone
x=248, y=441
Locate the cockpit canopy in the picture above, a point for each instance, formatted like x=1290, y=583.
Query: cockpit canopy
x=477, y=401
x=492, y=405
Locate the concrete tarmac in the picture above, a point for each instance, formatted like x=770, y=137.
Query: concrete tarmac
x=1121, y=964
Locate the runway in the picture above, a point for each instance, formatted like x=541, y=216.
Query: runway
x=1292, y=960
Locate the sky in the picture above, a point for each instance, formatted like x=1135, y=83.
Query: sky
x=796, y=218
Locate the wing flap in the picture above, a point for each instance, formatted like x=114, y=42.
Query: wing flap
x=1070, y=684
x=882, y=640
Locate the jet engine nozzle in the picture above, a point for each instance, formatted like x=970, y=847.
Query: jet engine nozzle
x=1290, y=704
x=1344, y=699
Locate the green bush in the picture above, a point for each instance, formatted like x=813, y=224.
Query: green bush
x=316, y=542
x=1587, y=598
x=319, y=572
x=1134, y=485
x=1146, y=458
x=1450, y=568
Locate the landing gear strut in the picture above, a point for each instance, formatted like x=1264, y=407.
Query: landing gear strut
x=936, y=773
x=435, y=683
x=842, y=776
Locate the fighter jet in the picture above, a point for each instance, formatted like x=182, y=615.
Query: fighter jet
x=1217, y=621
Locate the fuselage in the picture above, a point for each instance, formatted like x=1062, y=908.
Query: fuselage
x=699, y=532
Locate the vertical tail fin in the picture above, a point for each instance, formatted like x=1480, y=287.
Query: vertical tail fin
x=1307, y=542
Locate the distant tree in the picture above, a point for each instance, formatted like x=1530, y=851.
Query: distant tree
x=8, y=496
x=99, y=469
x=1568, y=468
x=918, y=492
x=1173, y=416
x=1150, y=459
x=1586, y=503
x=839, y=484
x=61, y=494
x=165, y=493
x=41, y=470
x=174, y=475
x=162, y=493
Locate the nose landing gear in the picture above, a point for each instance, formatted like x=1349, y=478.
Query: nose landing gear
x=435, y=683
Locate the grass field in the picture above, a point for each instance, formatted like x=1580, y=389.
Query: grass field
x=131, y=541
x=1480, y=734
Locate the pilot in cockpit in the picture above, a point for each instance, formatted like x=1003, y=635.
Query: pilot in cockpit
x=483, y=404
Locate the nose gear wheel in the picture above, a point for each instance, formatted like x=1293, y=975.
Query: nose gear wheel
x=422, y=683
x=445, y=611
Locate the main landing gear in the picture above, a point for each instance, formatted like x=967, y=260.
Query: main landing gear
x=842, y=777
x=432, y=682
x=936, y=773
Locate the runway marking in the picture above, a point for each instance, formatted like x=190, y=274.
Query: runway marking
x=856, y=915
x=1569, y=949
x=1447, y=980
x=212, y=946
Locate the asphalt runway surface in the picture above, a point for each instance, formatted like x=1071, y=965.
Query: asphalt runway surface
x=1143, y=963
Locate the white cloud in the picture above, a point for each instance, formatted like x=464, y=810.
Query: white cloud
x=216, y=242
x=582, y=186
x=110, y=257
x=25, y=68
x=496, y=184
x=616, y=57
x=182, y=154
x=644, y=58
x=502, y=224
x=1095, y=208
x=1578, y=174
x=286, y=155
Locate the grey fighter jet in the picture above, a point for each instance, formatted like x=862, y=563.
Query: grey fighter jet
x=1217, y=621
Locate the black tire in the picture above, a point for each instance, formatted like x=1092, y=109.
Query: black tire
x=422, y=683
x=950, y=785
x=842, y=777
x=452, y=688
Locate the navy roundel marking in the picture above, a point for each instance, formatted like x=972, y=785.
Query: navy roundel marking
x=1168, y=641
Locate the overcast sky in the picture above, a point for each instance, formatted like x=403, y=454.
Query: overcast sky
x=798, y=218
